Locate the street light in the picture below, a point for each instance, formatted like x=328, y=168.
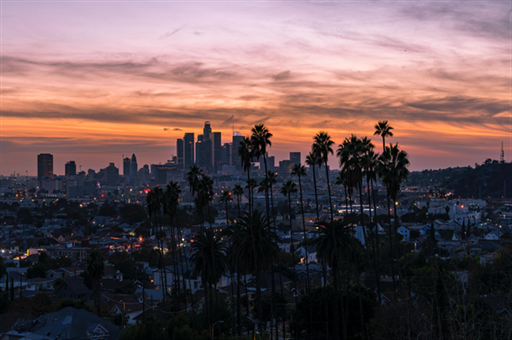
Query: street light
x=213, y=327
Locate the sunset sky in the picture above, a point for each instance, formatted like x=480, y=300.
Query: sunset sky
x=90, y=81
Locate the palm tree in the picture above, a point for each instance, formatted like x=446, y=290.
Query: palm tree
x=271, y=179
x=154, y=205
x=260, y=138
x=383, y=129
x=299, y=171
x=245, y=152
x=210, y=260
x=333, y=244
x=251, y=184
x=193, y=177
x=238, y=191
x=312, y=160
x=255, y=246
x=95, y=268
x=170, y=205
x=323, y=147
x=226, y=198
x=351, y=153
x=287, y=189
x=393, y=169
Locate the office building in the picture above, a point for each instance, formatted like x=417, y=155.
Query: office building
x=188, y=150
x=295, y=157
x=179, y=153
x=285, y=167
x=111, y=174
x=126, y=168
x=45, y=165
x=70, y=168
x=134, y=169
x=217, y=151
x=271, y=163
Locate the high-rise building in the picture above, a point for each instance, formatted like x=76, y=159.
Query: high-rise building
x=217, y=151
x=44, y=165
x=126, y=168
x=295, y=157
x=179, y=153
x=235, y=160
x=134, y=169
x=201, y=156
x=188, y=150
x=207, y=131
x=226, y=154
x=271, y=163
x=70, y=168
x=285, y=167
x=111, y=174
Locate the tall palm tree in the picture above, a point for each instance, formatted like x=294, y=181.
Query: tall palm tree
x=312, y=160
x=210, y=260
x=255, y=246
x=351, y=153
x=170, y=205
x=394, y=172
x=323, y=147
x=300, y=171
x=193, y=177
x=333, y=244
x=260, y=139
x=251, y=184
x=271, y=179
x=383, y=129
x=245, y=152
x=287, y=190
x=154, y=205
x=369, y=162
x=226, y=198
x=238, y=191
x=95, y=268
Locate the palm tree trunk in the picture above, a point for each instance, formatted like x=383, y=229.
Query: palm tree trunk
x=329, y=190
x=374, y=239
x=377, y=240
x=238, y=319
x=335, y=303
x=249, y=187
x=316, y=195
x=362, y=211
x=305, y=243
x=391, y=246
x=324, y=274
x=273, y=306
x=292, y=250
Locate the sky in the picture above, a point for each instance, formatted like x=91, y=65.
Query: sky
x=90, y=81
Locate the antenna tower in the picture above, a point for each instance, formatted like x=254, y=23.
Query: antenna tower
x=502, y=154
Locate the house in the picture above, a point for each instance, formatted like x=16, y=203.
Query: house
x=405, y=232
x=126, y=304
x=67, y=323
x=493, y=235
x=73, y=288
x=113, y=274
x=311, y=253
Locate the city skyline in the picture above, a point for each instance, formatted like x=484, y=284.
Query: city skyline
x=127, y=78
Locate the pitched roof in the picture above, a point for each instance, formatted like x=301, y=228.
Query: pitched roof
x=72, y=323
